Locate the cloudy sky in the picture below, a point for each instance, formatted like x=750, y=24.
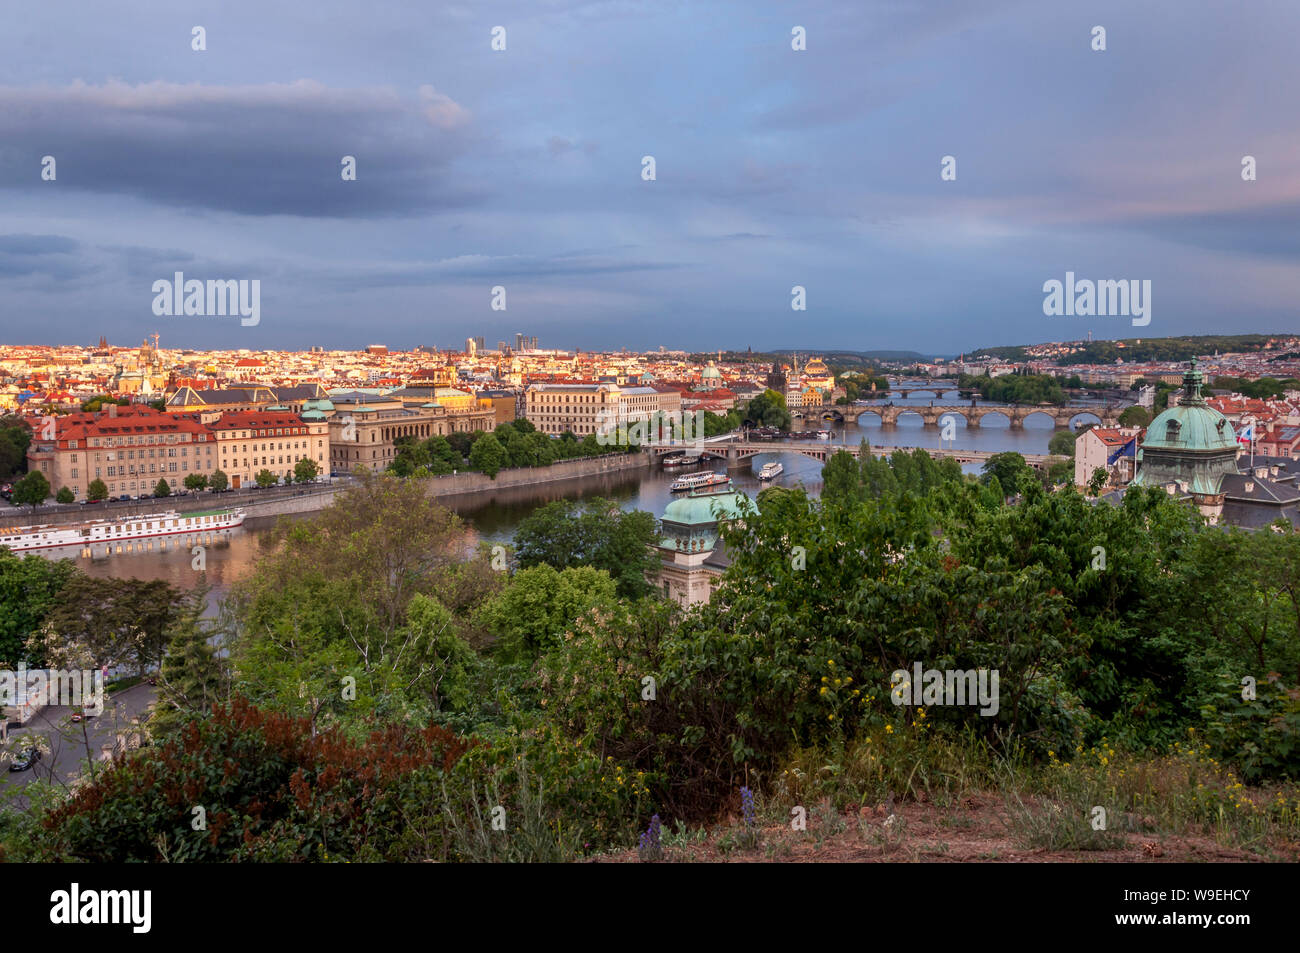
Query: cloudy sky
x=523, y=168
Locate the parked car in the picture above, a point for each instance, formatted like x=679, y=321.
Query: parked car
x=124, y=498
x=25, y=759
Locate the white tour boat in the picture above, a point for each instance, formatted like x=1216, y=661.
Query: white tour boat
x=121, y=529
x=698, y=481
x=770, y=471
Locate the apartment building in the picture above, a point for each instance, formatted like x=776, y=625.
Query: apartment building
x=249, y=441
x=1094, y=447
x=129, y=448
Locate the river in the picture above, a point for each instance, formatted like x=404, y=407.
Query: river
x=496, y=514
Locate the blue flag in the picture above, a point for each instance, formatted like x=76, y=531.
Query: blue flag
x=1128, y=450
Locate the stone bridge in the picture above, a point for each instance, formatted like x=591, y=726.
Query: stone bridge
x=736, y=450
x=973, y=414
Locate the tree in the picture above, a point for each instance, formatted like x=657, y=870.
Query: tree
x=219, y=481
x=97, y=402
x=112, y=620
x=29, y=588
x=196, y=481
x=488, y=456
x=15, y=438
x=1062, y=443
x=193, y=677
x=540, y=604
x=768, y=409
x=841, y=479
x=1008, y=468
x=461, y=442
x=564, y=534
x=1059, y=472
x=32, y=490
x=265, y=477
x=1135, y=416
x=331, y=596
x=1097, y=482
x=305, y=470
x=447, y=658
x=65, y=495
x=162, y=489
x=98, y=490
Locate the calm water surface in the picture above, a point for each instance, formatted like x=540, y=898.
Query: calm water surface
x=495, y=515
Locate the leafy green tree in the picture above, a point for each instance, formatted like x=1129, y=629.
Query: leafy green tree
x=32, y=490
x=488, y=456
x=112, y=621
x=540, y=604
x=1097, y=482
x=97, y=403
x=1061, y=471
x=445, y=659
x=1134, y=416
x=193, y=676
x=768, y=409
x=65, y=495
x=196, y=481
x=305, y=470
x=841, y=479
x=461, y=442
x=265, y=477
x=15, y=438
x=565, y=534
x=162, y=489
x=219, y=481
x=29, y=589
x=98, y=490
x=1062, y=443
x=1008, y=468
x=330, y=599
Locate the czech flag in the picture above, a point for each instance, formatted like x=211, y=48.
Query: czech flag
x=1247, y=434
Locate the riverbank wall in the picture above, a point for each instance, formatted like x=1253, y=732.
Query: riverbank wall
x=287, y=501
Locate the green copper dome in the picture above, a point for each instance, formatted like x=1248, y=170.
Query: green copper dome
x=1190, y=444
x=700, y=510
x=1191, y=425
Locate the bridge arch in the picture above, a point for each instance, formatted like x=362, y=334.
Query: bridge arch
x=907, y=412
x=1040, y=413
x=1074, y=422
x=983, y=414
x=956, y=414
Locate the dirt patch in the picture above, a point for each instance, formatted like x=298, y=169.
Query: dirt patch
x=978, y=829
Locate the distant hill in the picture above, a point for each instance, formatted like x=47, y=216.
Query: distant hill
x=1181, y=348
x=836, y=355
x=860, y=355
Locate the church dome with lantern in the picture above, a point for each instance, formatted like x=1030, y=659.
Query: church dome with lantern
x=1190, y=445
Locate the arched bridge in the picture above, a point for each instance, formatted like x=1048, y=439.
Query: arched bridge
x=735, y=449
x=972, y=413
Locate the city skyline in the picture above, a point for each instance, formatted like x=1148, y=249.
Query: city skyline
x=522, y=168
